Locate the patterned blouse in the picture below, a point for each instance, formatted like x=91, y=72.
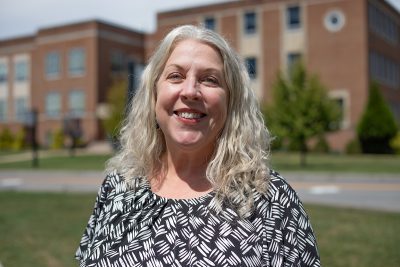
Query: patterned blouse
x=139, y=228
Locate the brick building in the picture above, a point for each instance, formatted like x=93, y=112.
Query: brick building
x=346, y=43
x=64, y=73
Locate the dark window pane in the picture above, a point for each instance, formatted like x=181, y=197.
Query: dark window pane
x=250, y=22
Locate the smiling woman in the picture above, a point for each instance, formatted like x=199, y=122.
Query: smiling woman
x=191, y=110
x=190, y=185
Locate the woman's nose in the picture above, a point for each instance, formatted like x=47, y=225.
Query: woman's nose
x=190, y=89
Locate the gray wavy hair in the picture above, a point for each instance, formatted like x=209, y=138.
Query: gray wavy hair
x=238, y=167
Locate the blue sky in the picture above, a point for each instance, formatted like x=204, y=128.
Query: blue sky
x=22, y=17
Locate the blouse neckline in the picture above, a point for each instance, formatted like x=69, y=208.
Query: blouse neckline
x=177, y=200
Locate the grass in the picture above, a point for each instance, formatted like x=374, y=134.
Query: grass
x=78, y=162
x=354, y=238
x=43, y=229
x=337, y=163
x=280, y=161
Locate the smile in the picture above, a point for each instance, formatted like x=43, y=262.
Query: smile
x=189, y=115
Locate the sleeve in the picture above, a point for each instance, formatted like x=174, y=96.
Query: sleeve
x=292, y=242
x=88, y=236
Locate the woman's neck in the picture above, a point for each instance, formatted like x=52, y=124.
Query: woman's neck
x=182, y=176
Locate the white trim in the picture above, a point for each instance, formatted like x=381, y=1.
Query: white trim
x=340, y=17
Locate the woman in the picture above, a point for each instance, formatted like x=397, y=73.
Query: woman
x=191, y=186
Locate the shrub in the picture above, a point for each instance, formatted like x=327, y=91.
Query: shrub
x=377, y=125
x=57, y=141
x=353, y=147
x=6, y=139
x=20, y=140
x=395, y=143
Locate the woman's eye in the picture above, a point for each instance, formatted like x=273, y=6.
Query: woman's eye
x=174, y=77
x=211, y=81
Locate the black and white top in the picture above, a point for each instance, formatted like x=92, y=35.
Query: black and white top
x=139, y=228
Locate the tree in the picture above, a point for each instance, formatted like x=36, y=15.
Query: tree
x=377, y=125
x=116, y=101
x=301, y=109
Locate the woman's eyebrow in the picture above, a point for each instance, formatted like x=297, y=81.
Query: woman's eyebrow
x=177, y=66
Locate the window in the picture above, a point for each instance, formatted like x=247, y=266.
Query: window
x=250, y=22
x=293, y=17
x=21, y=108
x=292, y=59
x=76, y=61
x=341, y=98
x=21, y=71
x=3, y=110
x=384, y=70
x=339, y=101
x=209, y=23
x=76, y=103
x=251, y=65
x=53, y=66
x=117, y=62
x=53, y=104
x=382, y=24
x=3, y=73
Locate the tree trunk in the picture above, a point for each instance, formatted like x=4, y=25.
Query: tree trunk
x=303, y=154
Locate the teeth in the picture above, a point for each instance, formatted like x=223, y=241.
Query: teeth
x=188, y=115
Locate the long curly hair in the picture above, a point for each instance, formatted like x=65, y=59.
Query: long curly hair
x=238, y=167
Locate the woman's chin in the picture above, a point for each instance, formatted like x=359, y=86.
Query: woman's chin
x=188, y=143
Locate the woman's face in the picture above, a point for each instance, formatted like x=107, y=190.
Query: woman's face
x=191, y=105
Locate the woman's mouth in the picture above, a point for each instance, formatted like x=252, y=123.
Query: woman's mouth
x=190, y=115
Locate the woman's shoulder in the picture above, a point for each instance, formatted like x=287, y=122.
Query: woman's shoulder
x=279, y=190
x=112, y=180
x=276, y=180
x=115, y=181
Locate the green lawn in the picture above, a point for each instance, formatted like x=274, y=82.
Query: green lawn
x=279, y=161
x=79, y=162
x=43, y=229
x=337, y=163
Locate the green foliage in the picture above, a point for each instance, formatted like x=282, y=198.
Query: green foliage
x=377, y=125
x=301, y=108
x=321, y=146
x=58, y=139
x=276, y=143
x=395, y=143
x=20, y=140
x=116, y=100
x=6, y=139
x=353, y=147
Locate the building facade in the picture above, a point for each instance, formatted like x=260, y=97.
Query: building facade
x=64, y=72
x=347, y=44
